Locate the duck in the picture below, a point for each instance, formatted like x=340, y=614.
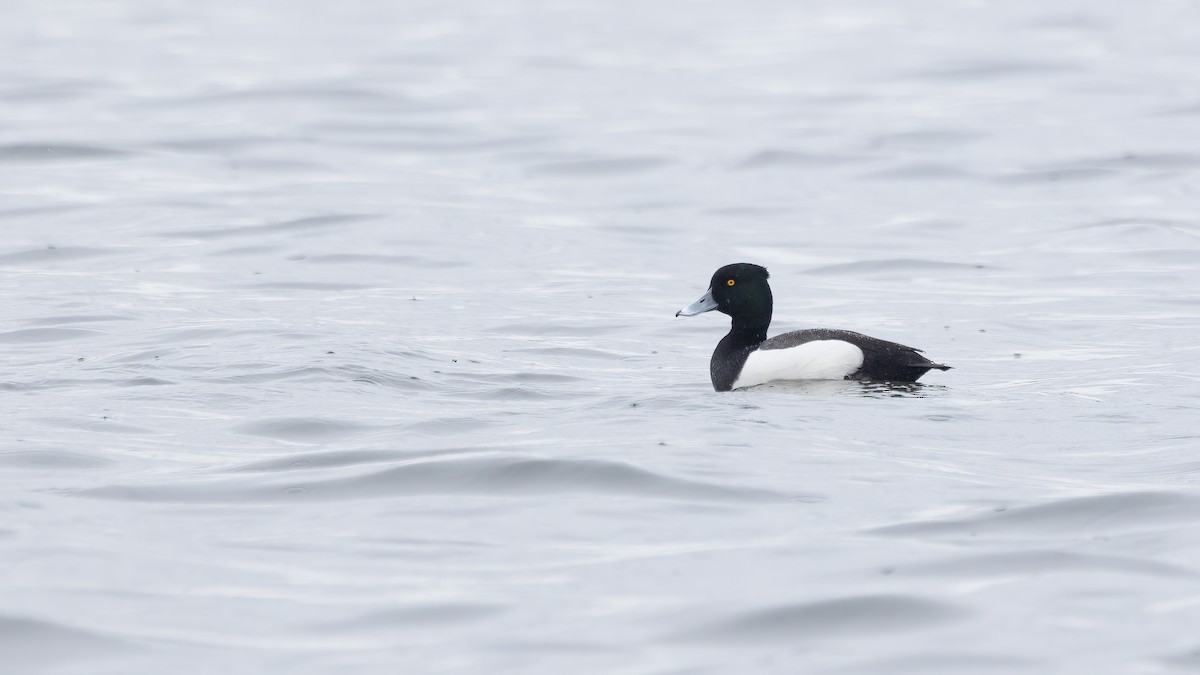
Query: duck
x=746, y=358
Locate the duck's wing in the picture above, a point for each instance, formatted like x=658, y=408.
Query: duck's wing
x=882, y=360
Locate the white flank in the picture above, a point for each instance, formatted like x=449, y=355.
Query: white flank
x=817, y=360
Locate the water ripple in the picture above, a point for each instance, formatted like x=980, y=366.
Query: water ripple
x=40, y=335
x=892, y=266
x=33, y=643
x=282, y=227
x=599, y=167
x=489, y=475
x=1007, y=563
x=51, y=459
x=854, y=616
x=1078, y=516
x=431, y=615
x=303, y=429
x=52, y=254
x=57, y=152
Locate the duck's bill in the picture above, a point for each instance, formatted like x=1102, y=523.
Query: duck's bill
x=704, y=304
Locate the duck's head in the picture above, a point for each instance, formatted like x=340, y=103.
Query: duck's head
x=739, y=290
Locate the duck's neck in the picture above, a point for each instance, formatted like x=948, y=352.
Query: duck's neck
x=733, y=350
x=752, y=318
x=748, y=331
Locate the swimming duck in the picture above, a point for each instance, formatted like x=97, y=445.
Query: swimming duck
x=745, y=357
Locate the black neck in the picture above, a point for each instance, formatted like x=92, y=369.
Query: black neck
x=733, y=349
x=749, y=331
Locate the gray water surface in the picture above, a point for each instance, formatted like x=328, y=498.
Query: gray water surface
x=339, y=337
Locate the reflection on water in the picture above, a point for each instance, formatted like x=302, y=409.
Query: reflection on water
x=827, y=388
x=338, y=337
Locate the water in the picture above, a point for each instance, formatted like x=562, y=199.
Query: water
x=340, y=337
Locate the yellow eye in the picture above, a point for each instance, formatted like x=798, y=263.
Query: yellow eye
x=729, y=283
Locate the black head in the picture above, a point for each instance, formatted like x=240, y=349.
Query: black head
x=741, y=291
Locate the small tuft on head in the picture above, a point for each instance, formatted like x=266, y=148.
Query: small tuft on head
x=743, y=271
